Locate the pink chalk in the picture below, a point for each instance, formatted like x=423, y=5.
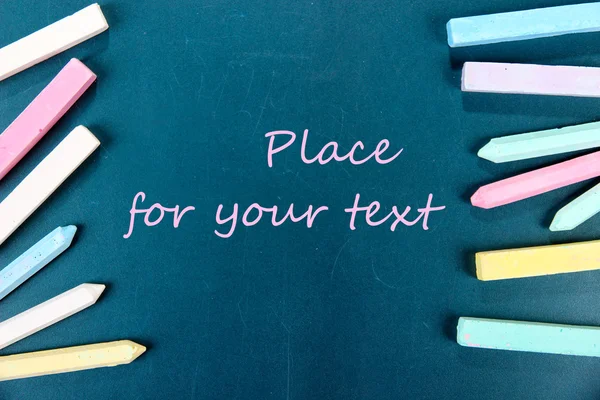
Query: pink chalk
x=538, y=181
x=43, y=112
x=531, y=79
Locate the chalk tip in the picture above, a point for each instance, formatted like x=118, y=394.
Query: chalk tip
x=78, y=64
x=136, y=350
x=451, y=41
x=96, y=7
x=85, y=132
x=463, y=78
x=558, y=224
x=478, y=199
x=459, y=327
x=69, y=232
x=479, y=272
x=489, y=152
x=95, y=289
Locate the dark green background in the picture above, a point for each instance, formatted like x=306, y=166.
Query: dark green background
x=185, y=93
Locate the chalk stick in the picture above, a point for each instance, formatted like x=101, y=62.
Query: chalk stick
x=51, y=40
x=48, y=313
x=45, y=179
x=542, y=143
x=537, y=182
x=554, y=80
x=550, y=80
x=577, y=211
x=41, y=115
x=538, y=261
x=70, y=359
x=523, y=25
x=533, y=337
x=36, y=258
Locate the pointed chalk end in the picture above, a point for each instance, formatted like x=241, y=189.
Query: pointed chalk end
x=478, y=199
x=95, y=289
x=489, y=152
x=136, y=349
x=557, y=225
x=69, y=233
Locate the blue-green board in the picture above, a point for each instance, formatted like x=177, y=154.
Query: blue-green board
x=186, y=92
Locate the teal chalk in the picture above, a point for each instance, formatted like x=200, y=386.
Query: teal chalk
x=36, y=258
x=578, y=211
x=529, y=336
x=523, y=25
x=542, y=143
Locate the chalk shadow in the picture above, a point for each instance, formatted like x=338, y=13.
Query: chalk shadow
x=449, y=326
x=531, y=105
x=468, y=262
x=550, y=50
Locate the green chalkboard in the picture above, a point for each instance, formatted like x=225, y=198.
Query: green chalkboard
x=186, y=92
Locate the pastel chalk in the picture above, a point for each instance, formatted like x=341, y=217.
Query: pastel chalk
x=533, y=337
x=36, y=258
x=542, y=143
x=41, y=115
x=538, y=261
x=550, y=80
x=524, y=25
x=51, y=40
x=48, y=313
x=70, y=359
x=31, y=193
x=577, y=211
x=537, y=182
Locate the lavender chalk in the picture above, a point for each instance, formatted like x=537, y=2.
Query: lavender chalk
x=552, y=80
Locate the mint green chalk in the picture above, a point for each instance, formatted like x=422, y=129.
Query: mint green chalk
x=529, y=336
x=578, y=211
x=542, y=143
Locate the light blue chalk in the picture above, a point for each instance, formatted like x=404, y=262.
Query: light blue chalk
x=578, y=211
x=523, y=25
x=36, y=258
x=529, y=336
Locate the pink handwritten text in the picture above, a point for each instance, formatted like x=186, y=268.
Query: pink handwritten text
x=331, y=146
x=230, y=218
x=374, y=207
x=248, y=219
x=177, y=215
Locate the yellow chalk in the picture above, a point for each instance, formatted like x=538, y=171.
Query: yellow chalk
x=69, y=359
x=538, y=261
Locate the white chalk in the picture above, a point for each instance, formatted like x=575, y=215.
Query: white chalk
x=51, y=40
x=45, y=179
x=550, y=80
x=48, y=313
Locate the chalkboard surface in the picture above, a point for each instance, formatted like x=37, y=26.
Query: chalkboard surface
x=186, y=92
